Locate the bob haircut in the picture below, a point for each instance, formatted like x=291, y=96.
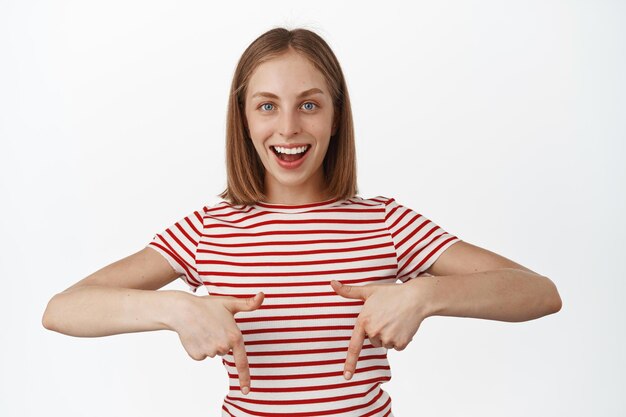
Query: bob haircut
x=245, y=171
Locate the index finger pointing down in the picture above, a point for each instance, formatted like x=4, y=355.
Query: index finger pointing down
x=354, y=349
x=241, y=362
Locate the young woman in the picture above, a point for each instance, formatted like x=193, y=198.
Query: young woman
x=289, y=231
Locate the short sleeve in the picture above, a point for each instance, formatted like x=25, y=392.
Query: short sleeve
x=178, y=244
x=418, y=240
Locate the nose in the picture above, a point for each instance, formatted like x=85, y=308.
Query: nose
x=289, y=124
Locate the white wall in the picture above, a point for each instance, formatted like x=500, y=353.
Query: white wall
x=501, y=121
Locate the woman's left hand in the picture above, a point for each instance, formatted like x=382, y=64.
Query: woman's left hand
x=390, y=316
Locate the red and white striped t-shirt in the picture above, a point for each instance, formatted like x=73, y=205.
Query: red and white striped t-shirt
x=297, y=340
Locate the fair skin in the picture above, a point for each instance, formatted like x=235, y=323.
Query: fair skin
x=278, y=113
x=466, y=281
x=122, y=298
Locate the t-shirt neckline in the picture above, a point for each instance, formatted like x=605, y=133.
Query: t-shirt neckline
x=295, y=208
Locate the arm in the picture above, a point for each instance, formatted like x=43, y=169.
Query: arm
x=123, y=298
x=119, y=298
x=503, y=294
x=470, y=281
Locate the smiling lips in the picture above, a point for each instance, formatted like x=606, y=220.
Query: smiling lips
x=291, y=157
x=290, y=153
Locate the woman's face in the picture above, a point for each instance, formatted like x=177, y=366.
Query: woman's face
x=288, y=105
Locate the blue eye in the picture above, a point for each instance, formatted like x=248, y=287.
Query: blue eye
x=266, y=104
x=265, y=109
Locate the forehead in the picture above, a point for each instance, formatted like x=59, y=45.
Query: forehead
x=286, y=75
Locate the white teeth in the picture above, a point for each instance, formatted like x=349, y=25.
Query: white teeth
x=292, y=150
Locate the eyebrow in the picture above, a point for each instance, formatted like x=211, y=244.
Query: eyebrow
x=305, y=93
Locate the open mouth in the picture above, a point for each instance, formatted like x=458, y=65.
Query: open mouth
x=298, y=153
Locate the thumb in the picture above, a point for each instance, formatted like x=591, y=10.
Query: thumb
x=246, y=304
x=349, y=291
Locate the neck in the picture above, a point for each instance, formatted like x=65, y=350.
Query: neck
x=309, y=192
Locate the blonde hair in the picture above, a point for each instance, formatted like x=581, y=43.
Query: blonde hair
x=244, y=169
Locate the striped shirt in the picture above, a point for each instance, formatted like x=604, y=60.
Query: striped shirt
x=297, y=341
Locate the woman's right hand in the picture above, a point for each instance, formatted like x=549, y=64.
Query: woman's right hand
x=206, y=327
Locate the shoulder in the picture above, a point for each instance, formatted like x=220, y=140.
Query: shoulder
x=396, y=213
x=224, y=211
x=378, y=200
x=208, y=210
x=388, y=205
x=219, y=206
x=376, y=205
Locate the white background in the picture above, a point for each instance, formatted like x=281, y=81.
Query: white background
x=503, y=122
